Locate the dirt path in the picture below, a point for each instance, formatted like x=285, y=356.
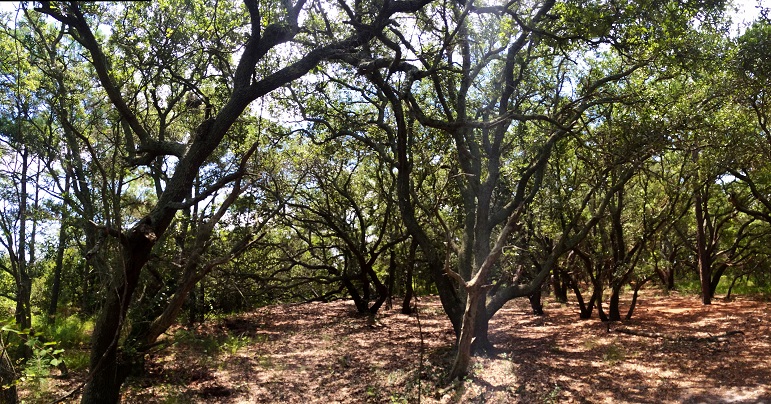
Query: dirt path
x=325, y=353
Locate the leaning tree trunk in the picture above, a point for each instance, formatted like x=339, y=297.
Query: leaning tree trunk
x=598, y=301
x=585, y=311
x=380, y=288
x=174, y=306
x=463, y=357
x=634, y=297
x=361, y=304
x=717, y=274
x=108, y=371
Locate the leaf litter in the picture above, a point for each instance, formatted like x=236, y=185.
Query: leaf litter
x=327, y=353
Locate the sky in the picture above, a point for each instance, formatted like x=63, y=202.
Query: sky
x=746, y=12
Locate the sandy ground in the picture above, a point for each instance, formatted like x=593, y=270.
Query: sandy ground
x=326, y=353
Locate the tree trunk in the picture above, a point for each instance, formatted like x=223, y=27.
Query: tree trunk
x=584, y=310
x=663, y=275
x=59, y=261
x=667, y=277
x=381, y=298
x=362, y=305
x=380, y=288
x=560, y=284
x=174, y=306
x=406, y=305
x=108, y=373
x=535, y=302
x=448, y=294
x=105, y=385
x=202, y=299
x=56, y=284
x=481, y=343
x=600, y=311
x=715, y=279
x=365, y=289
x=733, y=283
x=463, y=357
x=703, y=260
x=614, y=314
x=391, y=280
x=94, y=269
x=408, y=291
x=634, y=297
x=23, y=280
x=192, y=307
x=672, y=258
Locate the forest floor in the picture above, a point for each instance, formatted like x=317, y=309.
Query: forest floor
x=326, y=353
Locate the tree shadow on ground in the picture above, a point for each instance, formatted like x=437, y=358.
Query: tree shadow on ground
x=590, y=364
x=326, y=352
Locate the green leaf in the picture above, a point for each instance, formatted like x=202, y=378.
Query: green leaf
x=9, y=329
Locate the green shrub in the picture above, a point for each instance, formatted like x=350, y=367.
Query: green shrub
x=76, y=359
x=69, y=332
x=233, y=343
x=207, y=344
x=613, y=354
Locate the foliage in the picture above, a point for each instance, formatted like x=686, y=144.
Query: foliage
x=69, y=332
x=43, y=356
